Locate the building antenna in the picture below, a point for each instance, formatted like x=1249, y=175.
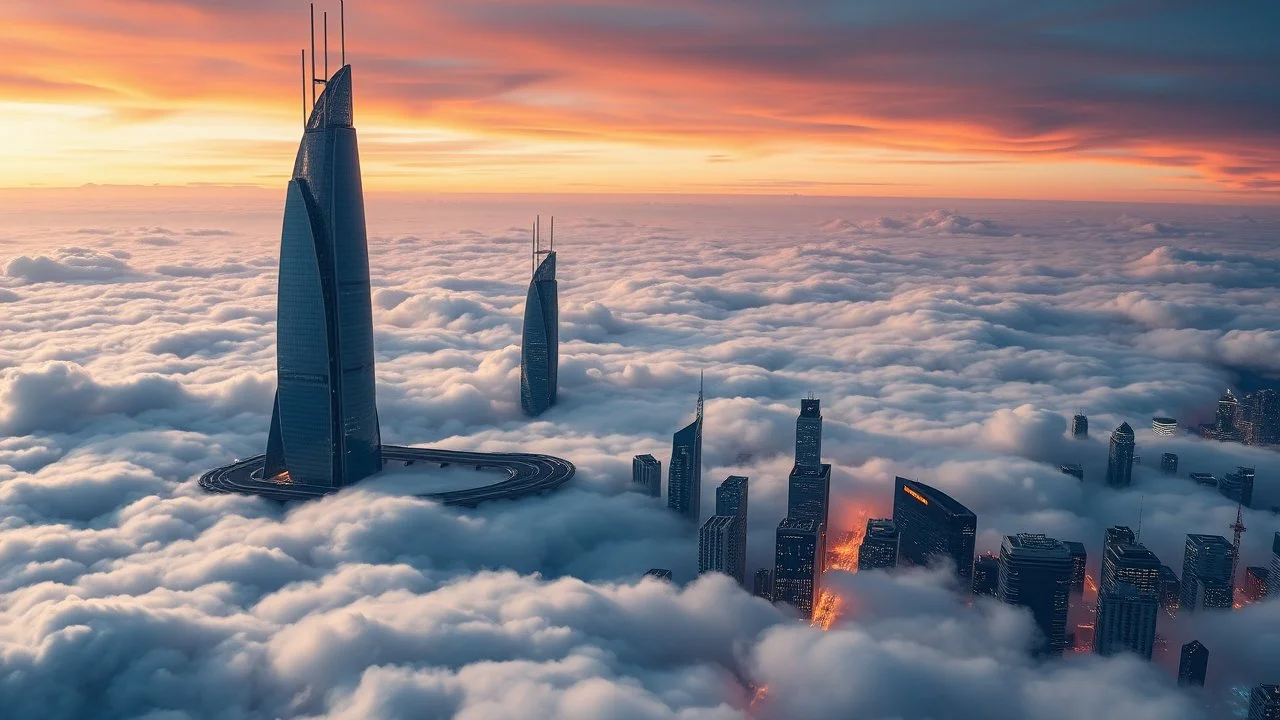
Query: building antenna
x=1238, y=529
x=342, y=29
x=313, y=55
x=326, y=46
x=553, y=233
x=700, y=384
x=304, y=87
x=1138, y=537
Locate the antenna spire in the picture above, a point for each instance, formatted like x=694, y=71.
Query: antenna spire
x=304, y=87
x=1141, y=498
x=553, y=233
x=1238, y=529
x=342, y=29
x=701, y=378
x=326, y=46
x=313, y=55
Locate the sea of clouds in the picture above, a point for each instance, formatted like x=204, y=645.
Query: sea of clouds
x=949, y=341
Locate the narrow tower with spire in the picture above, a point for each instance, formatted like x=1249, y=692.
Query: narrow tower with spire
x=684, y=474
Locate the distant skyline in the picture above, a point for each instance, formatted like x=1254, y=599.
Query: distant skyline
x=1127, y=101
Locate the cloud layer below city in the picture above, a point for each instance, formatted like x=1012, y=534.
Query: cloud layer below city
x=949, y=344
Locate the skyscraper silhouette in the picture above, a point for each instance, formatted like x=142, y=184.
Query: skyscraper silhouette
x=809, y=433
x=684, y=473
x=731, y=501
x=324, y=421
x=1120, y=457
x=540, y=340
x=932, y=525
x=1193, y=664
x=1035, y=573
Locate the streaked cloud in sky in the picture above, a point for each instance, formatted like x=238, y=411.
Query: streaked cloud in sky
x=1093, y=100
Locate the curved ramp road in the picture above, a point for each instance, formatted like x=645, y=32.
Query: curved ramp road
x=527, y=474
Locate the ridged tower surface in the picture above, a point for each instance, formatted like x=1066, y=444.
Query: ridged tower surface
x=324, y=424
x=540, y=341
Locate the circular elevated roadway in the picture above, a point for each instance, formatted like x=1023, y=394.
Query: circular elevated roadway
x=527, y=474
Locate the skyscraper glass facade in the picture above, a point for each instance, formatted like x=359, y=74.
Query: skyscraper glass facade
x=1120, y=457
x=932, y=525
x=809, y=433
x=540, y=341
x=1206, y=573
x=324, y=420
x=797, y=568
x=879, y=545
x=646, y=475
x=1035, y=573
x=684, y=473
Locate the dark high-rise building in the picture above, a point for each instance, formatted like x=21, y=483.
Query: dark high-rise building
x=1079, y=561
x=764, y=584
x=646, y=475
x=1206, y=573
x=879, y=547
x=718, y=547
x=809, y=493
x=1238, y=486
x=1169, y=463
x=660, y=573
x=1133, y=564
x=1126, y=621
x=1264, y=702
x=1075, y=470
x=1255, y=583
x=684, y=474
x=809, y=433
x=540, y=341
x=1035, y=573
x=1224, y=422
x=1166, y=426
x=1115, y=535
x=324, y=421
x=1273, y=572
x=1170, y=590
x=797, y=569
x=931, y=525
x=1120, y=457
x=1079, y=426
x=1265, y=428
x=1205, y=479
x=1193, y=664
x=731, y=500
x=986, y=575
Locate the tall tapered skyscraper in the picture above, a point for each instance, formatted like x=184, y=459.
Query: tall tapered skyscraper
x=324, y=421
x=540, y=340
x=684, y=473
x=1120, y=457
x=932, y=525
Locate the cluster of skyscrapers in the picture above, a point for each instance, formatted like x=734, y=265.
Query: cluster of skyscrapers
x=1252, y=420
x=1236, y=486
x=928, y=527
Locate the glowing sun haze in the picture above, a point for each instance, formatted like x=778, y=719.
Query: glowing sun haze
x=1087, y=100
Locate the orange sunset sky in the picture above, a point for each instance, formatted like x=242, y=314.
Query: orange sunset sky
x=1089, y=100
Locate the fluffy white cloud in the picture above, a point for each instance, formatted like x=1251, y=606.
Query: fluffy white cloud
x=944, y=347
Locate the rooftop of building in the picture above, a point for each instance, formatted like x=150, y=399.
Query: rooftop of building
x=1035, y=542
x=799, y=524
x=934, y=495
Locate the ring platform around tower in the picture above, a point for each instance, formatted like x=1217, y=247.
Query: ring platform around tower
x=527, y=474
